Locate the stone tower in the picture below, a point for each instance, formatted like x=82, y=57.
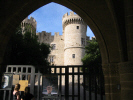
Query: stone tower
x=29, y=25
x=74, y=31
x=68, y=48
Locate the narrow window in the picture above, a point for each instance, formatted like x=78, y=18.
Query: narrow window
x=83, y=41
x=77, y=27
x=73, y=55
x=53, y=46
x=51, y=59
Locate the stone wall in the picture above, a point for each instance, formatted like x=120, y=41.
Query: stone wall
x=74, y=29
x=72, y=41
x=29, y=25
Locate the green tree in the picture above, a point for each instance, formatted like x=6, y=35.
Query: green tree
x=92, y=59
x=92, y=64
x=26, y=50
x=92, y=56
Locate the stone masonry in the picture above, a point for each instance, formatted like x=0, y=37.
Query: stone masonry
x=68, y=48
x=29, y=24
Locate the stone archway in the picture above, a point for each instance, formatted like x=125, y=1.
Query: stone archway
x=110, y=21
x=25, y=8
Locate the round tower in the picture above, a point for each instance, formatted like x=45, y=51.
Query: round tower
x=74, y=31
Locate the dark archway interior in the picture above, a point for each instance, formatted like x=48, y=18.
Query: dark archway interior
x=91, y=19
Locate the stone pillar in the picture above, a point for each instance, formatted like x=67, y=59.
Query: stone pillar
x=126, y=80
x=128, y=5
x=112, y=82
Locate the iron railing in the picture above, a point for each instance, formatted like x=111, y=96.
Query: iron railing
x=74, y=82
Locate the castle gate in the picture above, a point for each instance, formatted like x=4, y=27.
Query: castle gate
x=68, y=88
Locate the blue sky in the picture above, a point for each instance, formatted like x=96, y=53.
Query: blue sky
x=49, y=18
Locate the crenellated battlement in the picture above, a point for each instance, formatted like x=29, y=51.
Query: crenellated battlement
x=43, y=34
x=47, y=34
x=30, y=21
x=71, y=14
x=56, y=34
x=46, y=37
x=71, y=19
x=68, y=48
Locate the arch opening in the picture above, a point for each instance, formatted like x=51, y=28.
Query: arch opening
x=96, y=30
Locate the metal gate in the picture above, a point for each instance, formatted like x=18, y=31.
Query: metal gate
x=74, y=82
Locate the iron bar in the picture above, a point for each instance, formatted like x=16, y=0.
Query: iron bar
x=4, y=95
x=9, y=95
x=73, y=83
x=78, y=83
x=38, y=88
x=84, y=84
x=95, y=86
x=60, y=84
x=90, y=75
x=66, y=84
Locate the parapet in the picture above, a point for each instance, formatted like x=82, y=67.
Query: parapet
x=72, y=18
x=92, y=38
x=71, y=14
x=87, y=38
x=43, y=34
x=31, y=21
x=56, y=34
x=45, y=37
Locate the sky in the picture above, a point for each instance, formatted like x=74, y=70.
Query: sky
x=49, y=18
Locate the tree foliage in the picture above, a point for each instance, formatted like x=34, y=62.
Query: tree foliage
x=26, y=50
x=92, y=63
x=92, y=56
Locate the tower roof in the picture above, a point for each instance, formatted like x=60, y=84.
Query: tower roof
x=72, y=18
x=30, y=21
